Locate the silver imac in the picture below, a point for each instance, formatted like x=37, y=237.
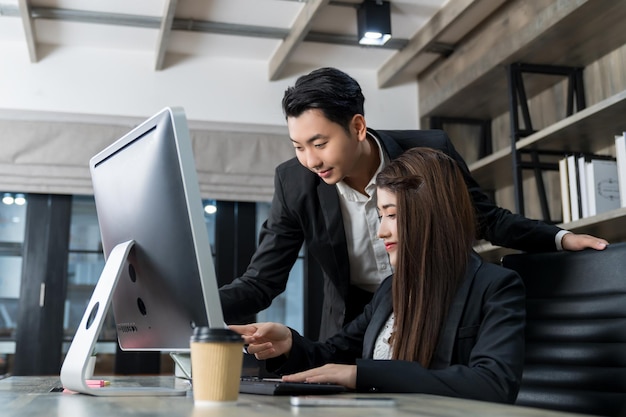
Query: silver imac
x=159, y=275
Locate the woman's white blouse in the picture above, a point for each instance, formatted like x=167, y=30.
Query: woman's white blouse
x=382, y=348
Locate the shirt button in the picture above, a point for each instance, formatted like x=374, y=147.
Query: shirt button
x=383, y=267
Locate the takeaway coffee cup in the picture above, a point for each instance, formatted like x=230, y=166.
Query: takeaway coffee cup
x=216, y=361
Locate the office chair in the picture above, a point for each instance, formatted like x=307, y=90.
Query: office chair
x=575, y=330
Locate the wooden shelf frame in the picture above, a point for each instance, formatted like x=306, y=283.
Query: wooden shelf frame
x=589, y=130
x=472, y=82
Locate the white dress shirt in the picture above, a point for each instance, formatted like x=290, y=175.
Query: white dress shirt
x=369, y=261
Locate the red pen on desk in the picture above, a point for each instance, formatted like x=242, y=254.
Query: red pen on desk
x=97, y=383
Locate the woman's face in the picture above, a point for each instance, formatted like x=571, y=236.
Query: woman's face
x=388, y=228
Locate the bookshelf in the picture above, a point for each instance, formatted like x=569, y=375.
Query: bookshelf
x=589, y=130
x=472, y=83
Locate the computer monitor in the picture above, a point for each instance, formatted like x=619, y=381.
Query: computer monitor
x=159, y=274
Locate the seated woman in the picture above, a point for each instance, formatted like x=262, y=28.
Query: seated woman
x=445, y=323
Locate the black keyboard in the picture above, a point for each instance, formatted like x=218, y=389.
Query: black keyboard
x=269, y=386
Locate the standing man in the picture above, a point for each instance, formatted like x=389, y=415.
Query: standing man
x=326, y=197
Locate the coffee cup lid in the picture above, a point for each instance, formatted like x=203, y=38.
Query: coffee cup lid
x=210, y=334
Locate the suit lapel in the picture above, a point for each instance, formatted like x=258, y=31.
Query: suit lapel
x=378, y=320
x=333, y=221
x=445, y=346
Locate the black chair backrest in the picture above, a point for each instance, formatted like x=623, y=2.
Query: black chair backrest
x=575, y=331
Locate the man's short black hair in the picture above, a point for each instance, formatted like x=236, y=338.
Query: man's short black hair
x=330, y=90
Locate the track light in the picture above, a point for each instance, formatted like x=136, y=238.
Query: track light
x=210, y=208
x=18, y=199
x=374, y=22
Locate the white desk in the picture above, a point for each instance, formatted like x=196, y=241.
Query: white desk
x=32, y=396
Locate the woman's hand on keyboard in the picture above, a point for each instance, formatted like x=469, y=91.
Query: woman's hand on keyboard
x=331, y=373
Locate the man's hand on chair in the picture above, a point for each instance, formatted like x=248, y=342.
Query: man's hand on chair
x=576, y=242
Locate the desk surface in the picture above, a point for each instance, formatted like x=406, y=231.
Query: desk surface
x=32, y=396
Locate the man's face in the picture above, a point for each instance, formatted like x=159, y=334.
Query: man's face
x=323, y=146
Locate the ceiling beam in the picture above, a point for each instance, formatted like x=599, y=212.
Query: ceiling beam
x=445, y=29
x=164, y=33
x=233, y=29
x=29, y=30
x=192, y=25
x=298, y=32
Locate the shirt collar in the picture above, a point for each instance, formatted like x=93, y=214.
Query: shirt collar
x=348, y=192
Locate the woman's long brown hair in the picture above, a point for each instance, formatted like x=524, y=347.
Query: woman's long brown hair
x=436, y=231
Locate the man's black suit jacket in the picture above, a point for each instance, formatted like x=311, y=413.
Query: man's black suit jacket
x=479, y=355
x=306, y=209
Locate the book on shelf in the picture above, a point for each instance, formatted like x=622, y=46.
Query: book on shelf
x=603, y=192
x=620, y=153
x=583, y=193
x=574, y=191
x=565, y=199
x=589, y=185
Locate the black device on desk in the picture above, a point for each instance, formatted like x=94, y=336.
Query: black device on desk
x=269, y=386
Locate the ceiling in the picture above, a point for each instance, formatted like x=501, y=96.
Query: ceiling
x=279, y=32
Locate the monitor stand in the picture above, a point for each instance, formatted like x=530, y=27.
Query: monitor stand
x=74, y=369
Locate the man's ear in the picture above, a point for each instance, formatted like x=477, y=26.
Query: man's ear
x=359, y=127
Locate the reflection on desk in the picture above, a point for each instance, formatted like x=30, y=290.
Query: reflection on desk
x=36, y=396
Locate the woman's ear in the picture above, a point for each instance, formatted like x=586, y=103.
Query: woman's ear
x=359, y=126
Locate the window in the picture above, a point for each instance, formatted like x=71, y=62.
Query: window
x=85, y=263
x=12, y=227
